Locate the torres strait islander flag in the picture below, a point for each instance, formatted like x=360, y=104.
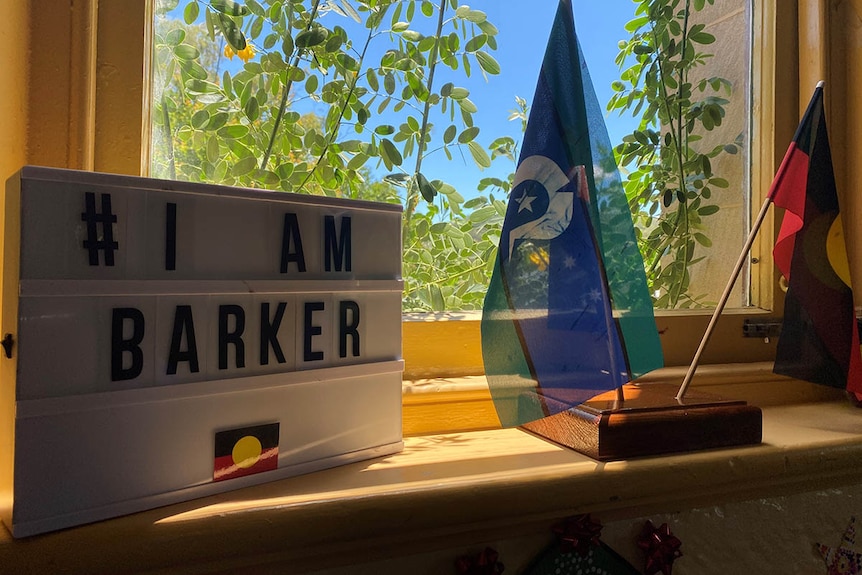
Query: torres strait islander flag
x=819, y=339
x=567, y=314
x=245, y=451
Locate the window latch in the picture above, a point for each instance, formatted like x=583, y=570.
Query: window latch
x=764, y=328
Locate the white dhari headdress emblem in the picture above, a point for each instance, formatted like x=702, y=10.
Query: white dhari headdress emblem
x=558, y=216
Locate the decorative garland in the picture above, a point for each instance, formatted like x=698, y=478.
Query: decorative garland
x=578, y=550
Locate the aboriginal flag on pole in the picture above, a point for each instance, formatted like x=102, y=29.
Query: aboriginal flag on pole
x=567, y=314
x=245, y=451
x=819, y=338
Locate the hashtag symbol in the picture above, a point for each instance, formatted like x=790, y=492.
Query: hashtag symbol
x=94, y=242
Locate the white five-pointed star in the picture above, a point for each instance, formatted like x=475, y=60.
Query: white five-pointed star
x=524, y=202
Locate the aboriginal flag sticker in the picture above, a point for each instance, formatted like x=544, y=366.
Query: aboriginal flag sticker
x=245, y=451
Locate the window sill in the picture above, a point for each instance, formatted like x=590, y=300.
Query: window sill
x=447, y=490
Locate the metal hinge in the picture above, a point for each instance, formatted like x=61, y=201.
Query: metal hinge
x=8, y=343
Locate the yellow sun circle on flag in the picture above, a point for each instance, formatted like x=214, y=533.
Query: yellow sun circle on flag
x=836, y=251
x=246, y=452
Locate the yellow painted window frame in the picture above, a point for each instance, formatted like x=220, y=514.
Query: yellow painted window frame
x=102, y=124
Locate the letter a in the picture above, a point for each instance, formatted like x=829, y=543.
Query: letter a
x=291, y=232
x=183, y=322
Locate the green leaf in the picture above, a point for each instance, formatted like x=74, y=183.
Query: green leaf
x=449, y=134
x=200, y=119
x=209, y=18
x=256, y=27
x=191, y=12
x=350, y=11
x=390, y=154
x=425, y=188
x=475, y=43
x=233, y=131
x=193, y=69
x=708, y=210
x=457, y=93
x=417, y=85
x=487, y=62
x=266, y=177
x=480, y=156
x=482, y=215
x=201, y=87
x=667, y=199
x=468, y=106
x=438, y=302
x=174, y=37
x=287, y=45
x=212, y=149
x=333, y=43
x=311, y=84
x=488, y=28
x=255, y=8
x=468, y=135
x=231, y=32
x=310, y=38
x=633, y=25
x=186, y=52
x=244, y=166
x=476, y=16
x=229, y=7
x=384, y=130
x=362, y=115
x=702, y=38
x=371, y=78
x=357, y=161
x=703, y=240
x=217, y=121
x=252, y=109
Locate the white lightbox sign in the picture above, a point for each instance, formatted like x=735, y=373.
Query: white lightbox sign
x=263, y=328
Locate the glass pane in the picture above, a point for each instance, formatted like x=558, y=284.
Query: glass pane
x=338, y=98
x=687, y=161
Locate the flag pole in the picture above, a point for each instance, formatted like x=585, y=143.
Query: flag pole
x=718, y=309
x=724, y=296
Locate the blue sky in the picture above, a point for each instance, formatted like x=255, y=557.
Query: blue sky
x=523, y=27
x=523, y=34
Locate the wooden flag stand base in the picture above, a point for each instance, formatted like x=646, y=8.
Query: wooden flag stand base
x=650, y=421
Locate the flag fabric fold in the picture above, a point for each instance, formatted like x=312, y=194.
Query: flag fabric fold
x=819, y=339
x=567, y=314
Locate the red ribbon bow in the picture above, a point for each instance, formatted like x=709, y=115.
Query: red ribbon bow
x=661, y=548
x=579, y=533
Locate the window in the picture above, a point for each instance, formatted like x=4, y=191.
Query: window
x=775, y=73
x=200, y=89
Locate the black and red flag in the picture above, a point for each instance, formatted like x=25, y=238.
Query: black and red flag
x=246, y=451
x=819, y=339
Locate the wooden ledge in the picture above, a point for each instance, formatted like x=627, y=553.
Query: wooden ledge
x=445, y=489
